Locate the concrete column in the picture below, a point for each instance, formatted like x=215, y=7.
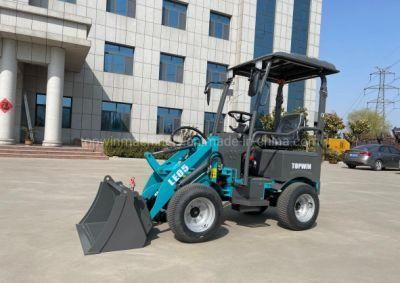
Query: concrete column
x=54, y=98
x=8, y=86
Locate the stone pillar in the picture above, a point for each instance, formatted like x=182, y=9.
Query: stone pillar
x=54, y=98
x=8, y=86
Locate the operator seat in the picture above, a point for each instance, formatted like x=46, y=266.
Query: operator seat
x=288, y=123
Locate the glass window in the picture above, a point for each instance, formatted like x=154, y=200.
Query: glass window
x=174, y=14
x=265, y=25
x=118, y=59
x=301, y=21
x=263, y=43
x=394, y=150
x=171, y=68
x=115, y=117
x=39, y=3
x=216, y=73
x=122, y=7
x=70, y=1
x=296, y=96
x=384, y=149
x=40, y=111
x=219, y=25
x=67, y=112
x=209, y=122
x=168, y=120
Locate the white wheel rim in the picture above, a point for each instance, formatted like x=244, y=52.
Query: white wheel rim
x=304, y=208
x=379, y=165
x=199, y=215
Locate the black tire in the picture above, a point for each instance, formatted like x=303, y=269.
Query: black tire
x=176, y=211
x=351, y=166
x=260, y=211
x=378, y=165
x=287, y=202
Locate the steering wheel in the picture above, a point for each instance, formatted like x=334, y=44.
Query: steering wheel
x=240, y=116
x=188, y=136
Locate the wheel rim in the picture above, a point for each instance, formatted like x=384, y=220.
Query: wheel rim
x=199, y=215
x=378, y=165
x=304, y=208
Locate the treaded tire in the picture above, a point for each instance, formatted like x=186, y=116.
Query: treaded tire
x=286, y=206
x=351, y=166
x=176, y=210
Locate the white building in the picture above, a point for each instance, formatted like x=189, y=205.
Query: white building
x=137, y=68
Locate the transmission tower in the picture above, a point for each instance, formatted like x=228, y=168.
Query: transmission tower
x=381, y=90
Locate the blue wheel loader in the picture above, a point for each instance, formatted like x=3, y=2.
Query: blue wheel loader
x=248, y=167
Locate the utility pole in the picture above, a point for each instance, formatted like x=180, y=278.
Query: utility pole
x=381, y=90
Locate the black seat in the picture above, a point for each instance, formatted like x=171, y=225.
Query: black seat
x=288, y=123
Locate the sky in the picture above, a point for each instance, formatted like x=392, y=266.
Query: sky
x=357, y=36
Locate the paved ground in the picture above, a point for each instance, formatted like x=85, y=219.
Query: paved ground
x=357, y=238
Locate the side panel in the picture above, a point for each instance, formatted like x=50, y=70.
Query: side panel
x=282, y=165
x=231, y=148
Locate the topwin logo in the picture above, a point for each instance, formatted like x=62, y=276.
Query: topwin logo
x=301, y=166
x=178, y=174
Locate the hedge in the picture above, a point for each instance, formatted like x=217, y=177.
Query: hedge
x=132, y=149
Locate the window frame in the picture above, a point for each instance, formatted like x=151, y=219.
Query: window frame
x=164, y=77
x=44, y=109
x=115, y=10
x=70, y=112
x=108, y=54
x=163, y=132
x=110, y=129
x=36, y=109
x=42, y=4
x=221, y=126
x=164, y=19
x=212, y=27
x=208, y=79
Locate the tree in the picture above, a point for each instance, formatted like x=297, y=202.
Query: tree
x=333, y=124
x=377, y=125
x=267, y=121
x=357, y=131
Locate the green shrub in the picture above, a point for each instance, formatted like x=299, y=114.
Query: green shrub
x=132, y=149
x=333, y=157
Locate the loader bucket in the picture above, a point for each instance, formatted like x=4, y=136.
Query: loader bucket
x=117, y=220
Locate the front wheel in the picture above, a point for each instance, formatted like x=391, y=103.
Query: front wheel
x=195, y=213
x=351, y=166
x=298, y=207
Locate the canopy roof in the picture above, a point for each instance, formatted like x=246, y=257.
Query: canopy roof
x=288, y=67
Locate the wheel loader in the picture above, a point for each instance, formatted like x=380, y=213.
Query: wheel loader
x=248, y=167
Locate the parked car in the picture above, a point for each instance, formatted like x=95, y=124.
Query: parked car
x=376, y=156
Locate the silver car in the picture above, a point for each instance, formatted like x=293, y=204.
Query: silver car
x=376, y=156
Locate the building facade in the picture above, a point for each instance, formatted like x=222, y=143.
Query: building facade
x=137, y=68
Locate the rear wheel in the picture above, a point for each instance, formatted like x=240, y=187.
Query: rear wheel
x=195, y=213
x=298, y=207
x=378, y=165
x=351, y=166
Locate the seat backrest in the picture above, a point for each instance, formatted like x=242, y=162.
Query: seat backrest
x=290, y=122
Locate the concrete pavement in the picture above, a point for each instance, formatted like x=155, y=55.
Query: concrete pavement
x=357, y=238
